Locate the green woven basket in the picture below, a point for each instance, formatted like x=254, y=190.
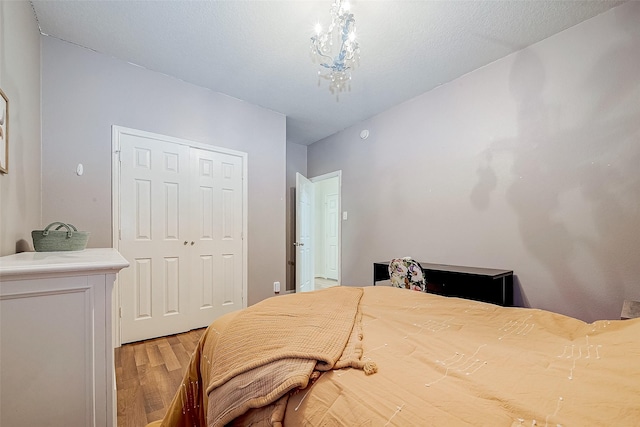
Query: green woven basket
x=59, y=240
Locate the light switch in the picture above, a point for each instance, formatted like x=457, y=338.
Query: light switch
x=344, y=215
x=79, y=169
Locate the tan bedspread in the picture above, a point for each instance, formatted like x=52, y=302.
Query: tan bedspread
x=455, y=362
x=442, y=362
x=263, y=352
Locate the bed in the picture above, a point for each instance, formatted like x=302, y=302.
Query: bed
x=383, y=356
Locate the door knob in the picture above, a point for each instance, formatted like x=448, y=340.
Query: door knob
x=298, y=244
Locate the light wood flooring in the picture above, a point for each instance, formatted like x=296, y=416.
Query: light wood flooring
x=148, y=373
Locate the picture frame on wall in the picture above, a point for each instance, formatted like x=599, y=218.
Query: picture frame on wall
x=4, y=133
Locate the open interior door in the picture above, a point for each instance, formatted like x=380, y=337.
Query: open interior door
x=304, y=234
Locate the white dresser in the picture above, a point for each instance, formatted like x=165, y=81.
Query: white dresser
x=56, y=352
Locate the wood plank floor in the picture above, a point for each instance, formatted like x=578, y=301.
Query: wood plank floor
x=148, y=373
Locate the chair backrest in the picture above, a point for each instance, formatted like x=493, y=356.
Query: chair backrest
x=407, y=274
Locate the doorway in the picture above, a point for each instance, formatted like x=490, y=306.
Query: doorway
x=318, y=231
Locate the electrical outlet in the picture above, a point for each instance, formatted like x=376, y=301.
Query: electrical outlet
x=276, y=287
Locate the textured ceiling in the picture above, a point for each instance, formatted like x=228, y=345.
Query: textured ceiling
x=258, y=51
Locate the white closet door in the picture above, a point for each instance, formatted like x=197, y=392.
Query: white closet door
x=182, y=220
x=154, y=230
x=217, y=221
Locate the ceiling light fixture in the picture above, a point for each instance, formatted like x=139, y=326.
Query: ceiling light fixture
x=342, y=33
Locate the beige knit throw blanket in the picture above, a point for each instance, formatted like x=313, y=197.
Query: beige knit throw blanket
x=274, y=347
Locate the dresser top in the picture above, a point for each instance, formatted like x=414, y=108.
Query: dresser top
x=27, y=264
x=478, y=271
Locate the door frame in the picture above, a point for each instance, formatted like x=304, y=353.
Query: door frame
x=323, y=177
x=315, y=179
x=116, y=132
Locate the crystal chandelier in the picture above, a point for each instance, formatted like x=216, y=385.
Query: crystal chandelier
x=342, y=34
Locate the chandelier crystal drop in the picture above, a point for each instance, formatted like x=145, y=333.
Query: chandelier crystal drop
x=340, y=35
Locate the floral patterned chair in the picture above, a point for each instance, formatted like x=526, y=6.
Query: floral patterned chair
x=407, y=274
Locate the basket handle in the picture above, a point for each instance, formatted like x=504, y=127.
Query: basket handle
x=61, y=224
x=70, y=225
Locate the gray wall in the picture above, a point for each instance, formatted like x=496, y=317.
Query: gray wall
x=84, y=93
x=530, y=163
x=20, y=81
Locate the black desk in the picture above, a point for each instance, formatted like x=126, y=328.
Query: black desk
x=481, y=284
